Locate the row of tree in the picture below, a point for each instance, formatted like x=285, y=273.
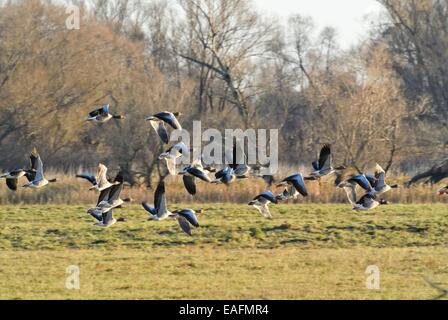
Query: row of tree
x=221, y=62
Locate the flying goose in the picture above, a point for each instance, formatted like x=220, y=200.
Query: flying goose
x=297, y=182
x=262, y=201
x=159, y=120
x=105, y=220
x=36, y=176
x=237, y=169
x=160, y=211
x=103, y=115
x=172, y=154
x=100, y=181
x=379, y=184
x=368, y=202
x=360, y=180
x=191, y=173
x=186, y=218
x=108, y=200
x=225, y=176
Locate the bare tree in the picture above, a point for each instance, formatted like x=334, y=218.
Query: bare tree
x=231, y=35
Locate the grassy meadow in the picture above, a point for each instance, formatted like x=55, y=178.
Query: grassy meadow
x=308, y=251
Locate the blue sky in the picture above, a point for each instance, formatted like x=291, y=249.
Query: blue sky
x=351, y=18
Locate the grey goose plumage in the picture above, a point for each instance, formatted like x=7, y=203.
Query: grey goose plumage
x=297, y=182
x=36, y=174
x=192, y=173
x=108, y=200
x=172, y=155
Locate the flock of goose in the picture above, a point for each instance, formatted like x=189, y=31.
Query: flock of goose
x=373, y=185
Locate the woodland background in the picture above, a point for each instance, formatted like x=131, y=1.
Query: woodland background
x=220, y=61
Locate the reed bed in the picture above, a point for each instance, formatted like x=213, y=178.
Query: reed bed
x=71, y=191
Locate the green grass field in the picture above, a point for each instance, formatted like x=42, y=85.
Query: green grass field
x=306, y=252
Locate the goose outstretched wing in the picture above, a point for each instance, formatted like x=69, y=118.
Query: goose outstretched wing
x=190, y=216
x=39, y=169
x=267, y=197
x=104, y=196
x=107, y=217
x=372, y=180
x=325, y=158
x=161, y=130
x=171, y=165
x=345, y=175
x=160, y=199
x=362, y=181
x=101, y=175
x=89, y=177
x=316, y=165
x=12, y=184
x=380, y=175
x=100, y=111
x=264, y=210
x=198, y=173
x=298, y=182
x=170, y=119
x=116, y=189
x=351, y=193
x=33, y=159
x=366, y=201
x=149, y=209
x=185, y=226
